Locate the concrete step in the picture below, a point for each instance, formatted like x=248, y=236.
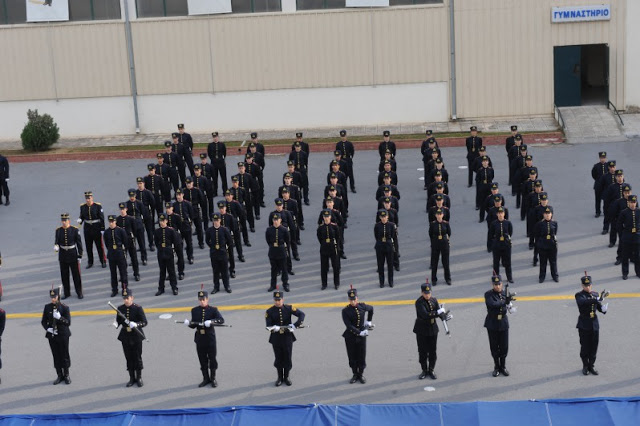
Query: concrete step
x=591, y=124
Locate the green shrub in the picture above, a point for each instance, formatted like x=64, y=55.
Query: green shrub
x=40, y=132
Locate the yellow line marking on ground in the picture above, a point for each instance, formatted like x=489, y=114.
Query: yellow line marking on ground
x=460, y=300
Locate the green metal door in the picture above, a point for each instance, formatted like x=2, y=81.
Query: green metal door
x=566, y=76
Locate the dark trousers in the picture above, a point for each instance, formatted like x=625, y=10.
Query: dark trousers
x=436, y=253
x=187, y=237
x=199, y=232
x=0, y=353
x=256, y=199
x=607, y=219
x=613, y=232
x=173, y=178
x=248, y=204
x=148, y=225
x=4, y=189
x=207, y=356
x=133, y=255
x=118, y=262
x=357, y=352
x=180, y=256
x=159, y=202
x=383, y=256
x=74, y=267
x=482, y=192
x=589, y=340
x=282, y=349
x=630, y=251
x=470, y=170
x=237, y=244
x=188, y=160
x=182, y=174
x=231, y=259
x=598, y=197
x=352, y=182
x=220, y=266
x=324, y=268
x=60, y=350
x=427, y=346
x=242, y=224
x=167, y=264
x=305, y=185
x=133, y=354
x=279, y=265
x=498, y=343
x=502, y=254
x=92, y=236
x=219, y=168
x=550, y=255
x=139, y=234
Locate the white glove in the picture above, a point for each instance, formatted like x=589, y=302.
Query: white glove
x=79, y=220
x=79, y=260
x=512, y=309
x=133, y=324
x=126, y=321
x=102, y=233
x=186, y=322
x=367, y=324
x=114, y=324
x=207, y=323
x=56, y=248
x=440, y=311
x=50, y=330
x=7, y=179
x=605, y=308
x=56, y=315
x=276, y=328
x=364, y=333
x=292, y=328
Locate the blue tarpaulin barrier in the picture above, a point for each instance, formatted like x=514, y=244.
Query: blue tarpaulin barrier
x=595, y=411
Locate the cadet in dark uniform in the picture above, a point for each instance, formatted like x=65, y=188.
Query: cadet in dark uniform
x=277, y=239
x=203, y=319
x=175, y=221
x=4, y=179
x=229, y=221
x=603, y=183
x=497, y=324
x=127, y=223
x=386, y=144
x=439, y=234
x=329, y=238
x=597, y=171
x=217, y=152
x=301, y=163
x=56, y=319
x=167, y=240
x=355, y=336
x=93, y=217
x=148, y=201
x=384, y=232
x=187, y=142
x=628, y=224
x=171, y=159
x=281, y=326
x=155, y=184
x=136, y=210
x=510, y=142
x=164, y=172
x=184, y=209
x=473, y=143
x=68, y=245
x=484, y=179
x=236, y=209
x=500, y=231
x=545, y=235
x=134, y=317
x=588, y=326
x=348, y=151
x=615, y=208
x=251, y=193
x=427, y=311
x=116, y=240
x=179, y=150
x=219, y=241
x=198, y=206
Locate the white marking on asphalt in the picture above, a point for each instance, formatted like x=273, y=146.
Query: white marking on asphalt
x=429, y=388
x=81, y=162
x=421, y=178
x=463, y=167
x=420, y=169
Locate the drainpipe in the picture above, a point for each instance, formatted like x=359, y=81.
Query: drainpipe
x=452, y=42
x=132, y=67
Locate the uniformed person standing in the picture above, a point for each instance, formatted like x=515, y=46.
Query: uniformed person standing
x=187, y=142
x=56, y=319
x=217, y=152
x=170, y=158
x=184, y=209
x=500, y=232
x=628, y=224
x=155, y=184
x=484, y=179
x=136, y=210
x=277, y=238
x=357, y=318
x=127, y=223
x=92, y=215
x=175, y=222
x=329, y=238
x=68, y=245
x=199, y=206
x=545, y=239
x=218, y=238
x=179, y=150
x=203, y=319
x=147, y=199
x=281, y=326
x=428, y=310
x=384, y=232
x=348, y=151
x=439, y=234
x=167, y=240
x=4, y=179
x=597, y=171
x=301, y=163
x=497, y=324
x=116, y=240
x=589, y=302
x=134, y=317
x=473, y=143
x=386, y=144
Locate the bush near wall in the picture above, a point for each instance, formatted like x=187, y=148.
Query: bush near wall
x=40, y=132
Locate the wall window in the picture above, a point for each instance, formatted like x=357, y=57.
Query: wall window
x=319, y=4
x=161, y=8
x=15, y=11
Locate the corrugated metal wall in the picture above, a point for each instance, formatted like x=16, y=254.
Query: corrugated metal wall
x=504, y=54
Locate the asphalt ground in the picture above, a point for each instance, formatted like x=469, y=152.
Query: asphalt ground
x=543, y=357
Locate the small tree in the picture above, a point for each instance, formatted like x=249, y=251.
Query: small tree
x=40, y=132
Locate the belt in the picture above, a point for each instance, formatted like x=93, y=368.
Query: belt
x=68, y=247
x=92, y=221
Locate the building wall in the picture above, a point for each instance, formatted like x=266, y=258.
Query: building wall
x=632, y=56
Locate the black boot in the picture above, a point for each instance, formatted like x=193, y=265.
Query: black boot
x=60, y=377
x=67, y=379
x=214, y=382
x=585, y=366
x=496, y=368
x=8, y=202
x=425, y=372
x=139, y=378
x=205, y=379
x=381, y=279
x=361, y=378
x=280, y=377
x=132, y=379
x=592, y=370
x=286, y=377
x=432, y=365
x=503, y=368
x=354, y=378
